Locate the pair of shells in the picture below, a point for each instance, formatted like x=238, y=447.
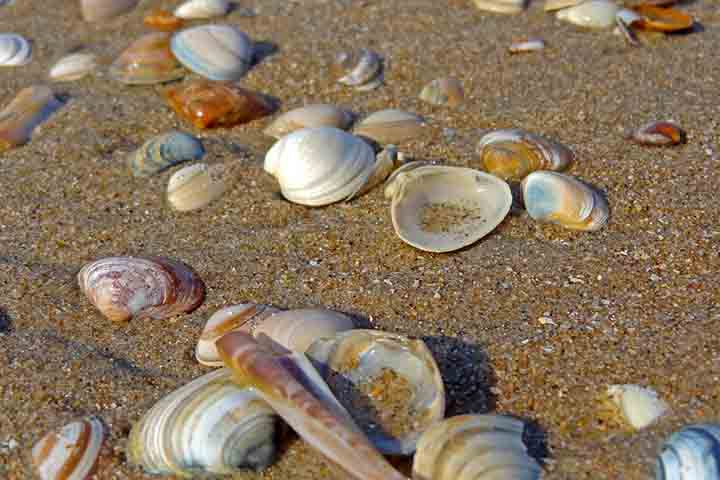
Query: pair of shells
x=122, y=288
x=199, y=9
x=147, y=61
x=71, y=452
x=440, y=208
x=361, y=69
x=32, y=106
x=692, y=453
x=163, y=151
x=501, y=6
x=103, y=10
x=217, y=52
x=15, y=50
x=470, y=447
x=73, y=67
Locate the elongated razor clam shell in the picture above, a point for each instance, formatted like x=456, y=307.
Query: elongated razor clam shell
x=164, y=151
x=599, y=14
x=71, y=453
x=194, y=186
x=692, y=453
x=309, y=116
x=501, y=6
x=102, y=10
x=32, y=106
x=73, y=67
x=148, y=60
x=197, y=9
x=217, y=52
x=390, y=126
x=639, y=406
x=15, y=50
x=141, y=287
x=443, y=91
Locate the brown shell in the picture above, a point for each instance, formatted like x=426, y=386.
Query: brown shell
x=163, y=21
x=658, y=133
x=661, y=19
x=32, y=106
x=146, y=61
x=71, y=452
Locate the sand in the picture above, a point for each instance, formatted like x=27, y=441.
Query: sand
x=637, y=302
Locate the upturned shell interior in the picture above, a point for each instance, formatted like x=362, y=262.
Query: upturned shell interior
x=366, y=360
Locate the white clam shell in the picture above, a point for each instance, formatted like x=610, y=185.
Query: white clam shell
x=529, y=45
x=73, y=67
x=390, y=126
x=297, y=329
x=15, y=50
x=217, y=52
x=194, y=186
x=501, y=6
x=639, y=406
x=692, y=453
x=195, y=9
x=320, y=166
x=599, y=14
x=70, y=453
x=309, y=116
x=441, y=208
x=212, y=424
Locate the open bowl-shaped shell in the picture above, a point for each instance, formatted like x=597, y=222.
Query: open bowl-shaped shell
x=390, y=384
x=440, y=208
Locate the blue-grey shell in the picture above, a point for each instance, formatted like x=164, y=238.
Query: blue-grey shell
x=692, y=453
x=164, y=151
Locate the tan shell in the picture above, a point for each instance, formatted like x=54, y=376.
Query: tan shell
x=309, y=116
x=194, y=186
x=501, y=6
x=390, y=126
x=71, y=453
x=103, y=10
x=443, y=91
x=32, y=106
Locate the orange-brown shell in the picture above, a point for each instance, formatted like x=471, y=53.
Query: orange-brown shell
x=163, y=21
x=661, y=19
x=658, y=133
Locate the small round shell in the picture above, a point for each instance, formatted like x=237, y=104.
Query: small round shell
x=561, y=199
x=148, y=60
x=501, y=6
x=217, y=52
x=390, y=126
x=692, y=453
x=15, y=50
x=660, y=133
x=639, y=406
x=440, y=208
x=396, y=375
x=164, y=151
x=135, y=287
x=443, y=91
x=195, y=186
x=102, y=10
x=73, y=67
x=599, y=14
x=198, y=9
x=70, y=453
x=309, y=116
x=358, y=68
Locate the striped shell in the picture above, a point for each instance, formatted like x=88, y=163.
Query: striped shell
x=390, y=126
x=32, y=106
x=102, y=10
x=196, y=9
x=443, y=91
x=71, y=453
x=217, y=52
x=73, y=67
x=501, y=6
x=195, y=186
x=15, y=50
x=212, y=424
x=474, y=447
x=660, y=133
x=148, y=60
x=692, y=453
x=309, y=116
x=164, y=151
x=140, y=287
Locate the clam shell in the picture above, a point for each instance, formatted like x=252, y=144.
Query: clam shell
x=241, y=317
x=320, y=166
x=443, y=91
x=561, y=199
x=32, y=106
x=359, y=68
x=659, y=19
x=470, y=447
x=552, y=5
x=73, y=67
x=529, y=45
x=639, y=406
x=501, y=6
x=146, y=61
x=194, y=186
x=15, y=50
x=512, y=154
x=141, y=287
x=70, y=453
x=591, y=14
x=101, y=10
x=296, y=330
x=309, y=116
x=440, y=208
x=163, y=21
x=390, y=126
x=692, y=453
x=294, y=389
x=194, y=9
x=164, y=151
x=398, y=376
x=658, y=133
x=211, y=425
x=217, y=52
x=213, y=104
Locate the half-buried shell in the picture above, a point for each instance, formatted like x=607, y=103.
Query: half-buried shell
x=146, y=61
x=164, y=151
x=390, y=126
x=32, y=106
x=309, y=116
x=70, y=453
x=195, y=186
x=102, y=10
x=73, y=67
x=501, y=6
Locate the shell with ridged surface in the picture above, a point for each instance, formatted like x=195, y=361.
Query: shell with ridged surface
x=217, y=52
x=70, y=453
x=73, y=67
x=692, y=453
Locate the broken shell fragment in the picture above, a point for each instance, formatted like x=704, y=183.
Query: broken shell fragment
x=146, y=61
x=692, y=453
x=390, y=126
x=639, y=406
x=512, y=154
x=440, y=208
x=658, y=133
x=141, y=287
x=309, y=116
x=390, y=384
x=73, y=67
x=32, y=106
x=217, y=52
x=195, y=186
x=164, y=151
x=501, y=6
x=601, y=14
x=198, y=9
x=70, y=453
x=474, y=447
x=163, y=21
x=529, y=45
x=362, y=69
x=212, y=424
x=15, y=50
x=561, y=199
x=443, y=91
x=662, y=19
x=213, y=104
x=101, y=10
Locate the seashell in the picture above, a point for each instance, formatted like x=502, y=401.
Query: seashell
x=390, y=126
x=146, y=61
x=362, y=69
x=639, y=406
x=561, y=199
x=218, y=52
x=70, y=453
x=141, y=287
x=474, y=447
x=591, y=14
x=397, y=378
x=164, y=151
x=15, y=50
x=294, y=389
x=658, y=133
x=320, y=166
x=443, y=91
x=439, y=208
x=662, y=19
x=296, y=330
x=73, y=67
x=212, y=424
x=195, y=9
x=501, y=6
x=692, y=453
x=552, y=5
x=101, y=10
x=512, y=154
x=194, y=186
x=309, y=116
x=163, y=21
x=529, y=45
x=212, y=104
x=32, y=106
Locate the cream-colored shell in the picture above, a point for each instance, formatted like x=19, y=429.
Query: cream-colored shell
x=552, y=5
x=193, y=187
x=296, y=330
x=501, y=6
x=390, y=126
x=639, y=406
x=73, y=67
x=197, y=9
x=103, y=10
x=309, y=116
x=71, y=453
x=599, y=14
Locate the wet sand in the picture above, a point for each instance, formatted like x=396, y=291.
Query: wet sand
x=637, y=302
